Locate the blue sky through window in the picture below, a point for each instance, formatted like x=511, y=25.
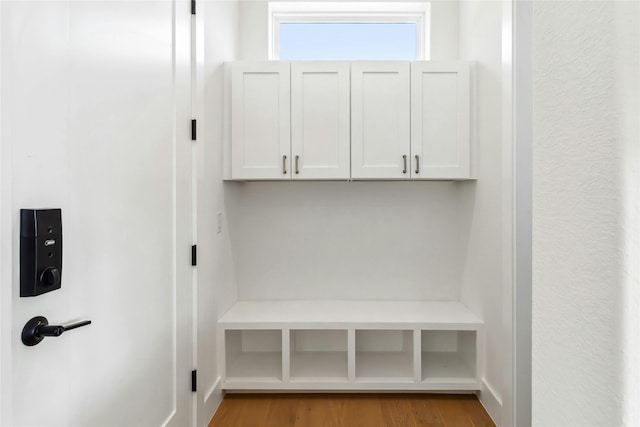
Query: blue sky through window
x=348, y=41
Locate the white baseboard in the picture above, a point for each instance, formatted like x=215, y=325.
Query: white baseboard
x=491, y=402
x=212, y=400
x=215, y=387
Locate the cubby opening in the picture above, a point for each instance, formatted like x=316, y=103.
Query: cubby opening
x=318, y=355
x=448, y=355
x=384, y=355
x=254, y=354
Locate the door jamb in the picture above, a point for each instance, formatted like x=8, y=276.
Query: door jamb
x=518, y=131
x=6, y=245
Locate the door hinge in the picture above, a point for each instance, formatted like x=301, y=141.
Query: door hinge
x=193, y=129
x=194, y=378
x=194, y=255
x=193, y=7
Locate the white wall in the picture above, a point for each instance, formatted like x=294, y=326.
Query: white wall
x=253, y=31
x=445, y=18
x=341, y=240
x=482, y=201
x=585, y=213
x=216, y=279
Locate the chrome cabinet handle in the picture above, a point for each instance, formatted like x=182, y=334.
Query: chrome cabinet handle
x=404, y=160
x=297, y=161
x=417, y=164
x=284, y=165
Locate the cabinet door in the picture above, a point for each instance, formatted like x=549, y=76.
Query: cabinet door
x=380, y=127
x=440, y=139
x=260, y=109
x=320, y=120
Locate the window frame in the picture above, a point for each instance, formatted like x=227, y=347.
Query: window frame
x=417, y=13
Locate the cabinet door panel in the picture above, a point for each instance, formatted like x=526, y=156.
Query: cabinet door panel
x=440, y=120
x=260, y=112
x=380, y=116
x=320, y=120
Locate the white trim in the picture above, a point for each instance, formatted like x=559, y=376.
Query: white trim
x=2, y=239
x=215, y=387
x=508, y=312
x=376, y=12
x=522, y=106
x=167, y=422
x=194, y=46
x=197, y=51
x=212, y=399
x=6, y=256
x=491, y=401
x=517, y=37
x=517, y=177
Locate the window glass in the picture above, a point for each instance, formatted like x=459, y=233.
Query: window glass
x=347, y=41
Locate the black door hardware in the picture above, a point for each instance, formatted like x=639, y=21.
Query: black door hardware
x=40, y=251
x=37, y=328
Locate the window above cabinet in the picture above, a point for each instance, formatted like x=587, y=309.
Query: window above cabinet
x=349, y=31
x=347, y=41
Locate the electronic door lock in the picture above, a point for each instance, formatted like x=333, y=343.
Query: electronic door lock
x=40, y=251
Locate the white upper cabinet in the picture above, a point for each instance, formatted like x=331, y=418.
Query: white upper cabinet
x=320, y=120
x=260, y=110
x=440, y=108
x=328, y=120
x=380, y=126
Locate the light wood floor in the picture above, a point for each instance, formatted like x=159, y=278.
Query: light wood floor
x=350, y=410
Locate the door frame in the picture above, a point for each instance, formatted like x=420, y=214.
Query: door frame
x=5, y=256
x=5, y=251
x=517, y=60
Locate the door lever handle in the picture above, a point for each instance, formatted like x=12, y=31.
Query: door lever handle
x=38, y=328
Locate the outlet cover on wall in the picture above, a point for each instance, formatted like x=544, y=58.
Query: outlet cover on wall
x=219, y=222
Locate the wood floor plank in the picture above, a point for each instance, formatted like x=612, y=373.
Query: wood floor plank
x=335, y=408
x=350, y=410
x=425, y=412
x=254, y=411
x=319, y=411
x=282, y=412
x=477, y=414
x=396, y=412
x=311, y=412
x=227, y=413
x=362, y=411
x=453, y=411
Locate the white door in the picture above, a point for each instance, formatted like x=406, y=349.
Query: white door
x=320, y=120
x=440, y=106
x=260, y=120
x=380, y=127
x=95, y=121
